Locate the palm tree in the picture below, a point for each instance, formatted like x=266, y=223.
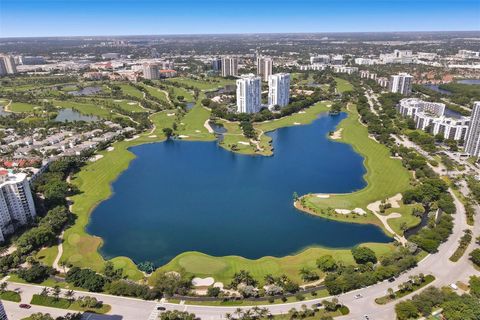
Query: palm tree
x=45, y=292
x=69, y=295
x=56, y=292
x=390, y=292
x=228, y=316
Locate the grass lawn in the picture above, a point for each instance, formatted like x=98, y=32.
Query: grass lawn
x=63, y=303
x=407, y=217
x=22, y=107
x=343, y=85
x=94, y=182
x=205, y=85
x=179, y=91
x=223, y=268
x=385, y=176
x=131, y=91
x=10, y=296
x=47, y=255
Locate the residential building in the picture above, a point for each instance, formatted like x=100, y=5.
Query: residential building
x=365, y=61
x=336, y=60
x=383, y=82
x=368, y=75
x=167, y=73
x=32, y=60
x=472, y=144
x=468, y=54
x=279, y=89
x=7, y=65
x=229, y=66
x=344, y=69
x=408, y=107
x=323, y=59
x=111, y=55
x=249, y=91
x=16, y=202
x=264, y=67
x=151, y=71
x=217, y=64
x=401, y=83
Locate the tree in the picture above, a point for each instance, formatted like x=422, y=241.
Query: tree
x=3, y=286
x=391, y=293
x=177, y=315
x=70, y=295
x=326, y=263
x=36, y=273
x=56, y=292
x=168, y=132
x=363, y=255
x=475, y=256
x=406, y=310
x=213, y=291
x=474, y=283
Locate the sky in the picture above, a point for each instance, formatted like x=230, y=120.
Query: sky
x=33, y=18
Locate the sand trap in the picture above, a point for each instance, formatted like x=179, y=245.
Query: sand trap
x=360, y=211
x=218, y=285
x=244, y=143
x=323, y=196
x=301, y=111
x=182, y=136
x=337, y=134
x=153, y=136
x=343, y=211
x=202, y=282
x=110, y=148
x=296, y=123
x=170, y=114
x=132, y=103
x=394, y=201
x=118, y=100
x=96, y=157
x=329, y=105
x=197, y=131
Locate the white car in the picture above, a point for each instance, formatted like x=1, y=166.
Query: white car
x=358, y=296
x=454, y=286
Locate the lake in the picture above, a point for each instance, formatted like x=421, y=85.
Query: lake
x=179, y=196
x=71, y=115
x=470, y=81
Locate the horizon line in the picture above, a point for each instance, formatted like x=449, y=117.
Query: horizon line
x=236, y=33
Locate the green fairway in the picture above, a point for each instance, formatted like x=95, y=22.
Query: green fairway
x=206, y=84
x=175, y=92
x=385, y=176
x=131, y=91
x=343, y=85
x=22, y=107
x=128, y=105
x=158, y=93
x=223, y=268
x=47, y=255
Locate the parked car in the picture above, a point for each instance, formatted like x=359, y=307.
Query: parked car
x=161, y=308
x=358, y=296
x=25, y=306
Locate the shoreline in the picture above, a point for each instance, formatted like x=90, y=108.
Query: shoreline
x=97, y=242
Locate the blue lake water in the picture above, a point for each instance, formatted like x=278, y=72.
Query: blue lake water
x=71, y=115
x=470, y=81
x=182, y=196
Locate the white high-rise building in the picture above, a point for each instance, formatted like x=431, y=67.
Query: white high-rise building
x=279, y=89
x=151, y=71
x=249, y=94
x=401, y=83
x=264, y=67
x=7, y=65
x=16, y=202
x=229, y=66
x=472, y=144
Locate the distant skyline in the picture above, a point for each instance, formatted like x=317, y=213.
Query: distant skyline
x=34, y=18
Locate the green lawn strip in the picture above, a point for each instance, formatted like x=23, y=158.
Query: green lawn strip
x=10, y=296
x=50, y=282
x=94, y=182
x=205, y=85
x=22, y=107
x=385, y=176
x=321, y=313
x=47, y=255
x=63, y=303
x=307, y=296
x=343, y=85
x=223, y=268
x=131, y=91
x=399, y=294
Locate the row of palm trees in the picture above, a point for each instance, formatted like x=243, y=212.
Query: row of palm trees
x=254, y=313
